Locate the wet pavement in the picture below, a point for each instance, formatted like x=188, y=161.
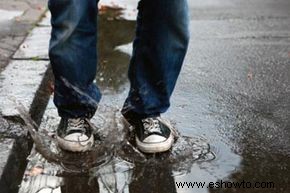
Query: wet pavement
x=234, y=92
x=231, y=106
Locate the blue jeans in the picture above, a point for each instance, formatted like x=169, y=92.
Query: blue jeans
x=159, y=49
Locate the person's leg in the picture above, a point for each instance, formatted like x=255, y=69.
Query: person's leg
x=73, y=56
x=158, y=52
x=159, y=49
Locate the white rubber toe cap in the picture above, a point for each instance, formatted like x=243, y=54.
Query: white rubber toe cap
x=155, y=147
x=76, y=142
x=154, y=139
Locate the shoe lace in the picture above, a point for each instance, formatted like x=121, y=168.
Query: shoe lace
x=151, y=125
x=76, y=125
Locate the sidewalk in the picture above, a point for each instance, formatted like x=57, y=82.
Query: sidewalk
x=17, y=18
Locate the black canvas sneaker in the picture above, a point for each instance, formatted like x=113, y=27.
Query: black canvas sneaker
x=153, y=135
x=75, y=135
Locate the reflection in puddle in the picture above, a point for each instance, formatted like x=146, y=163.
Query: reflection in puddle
x=127, y=8
x=113, y=64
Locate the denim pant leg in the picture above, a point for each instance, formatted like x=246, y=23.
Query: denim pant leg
x=73, y=56
x=159, y=48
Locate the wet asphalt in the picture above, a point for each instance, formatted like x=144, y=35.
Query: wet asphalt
x=233, y=90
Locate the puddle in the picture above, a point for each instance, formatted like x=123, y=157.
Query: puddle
x=113, y=64
x=114, y=162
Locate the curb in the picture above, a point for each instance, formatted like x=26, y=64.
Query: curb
x=24, y=81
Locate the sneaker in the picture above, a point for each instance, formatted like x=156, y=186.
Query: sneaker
x=75, y=135
x=154, y=135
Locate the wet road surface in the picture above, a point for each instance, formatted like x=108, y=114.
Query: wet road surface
x=233, y=93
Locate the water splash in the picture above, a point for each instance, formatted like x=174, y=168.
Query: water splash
x=115, y=140
x=114, y=155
